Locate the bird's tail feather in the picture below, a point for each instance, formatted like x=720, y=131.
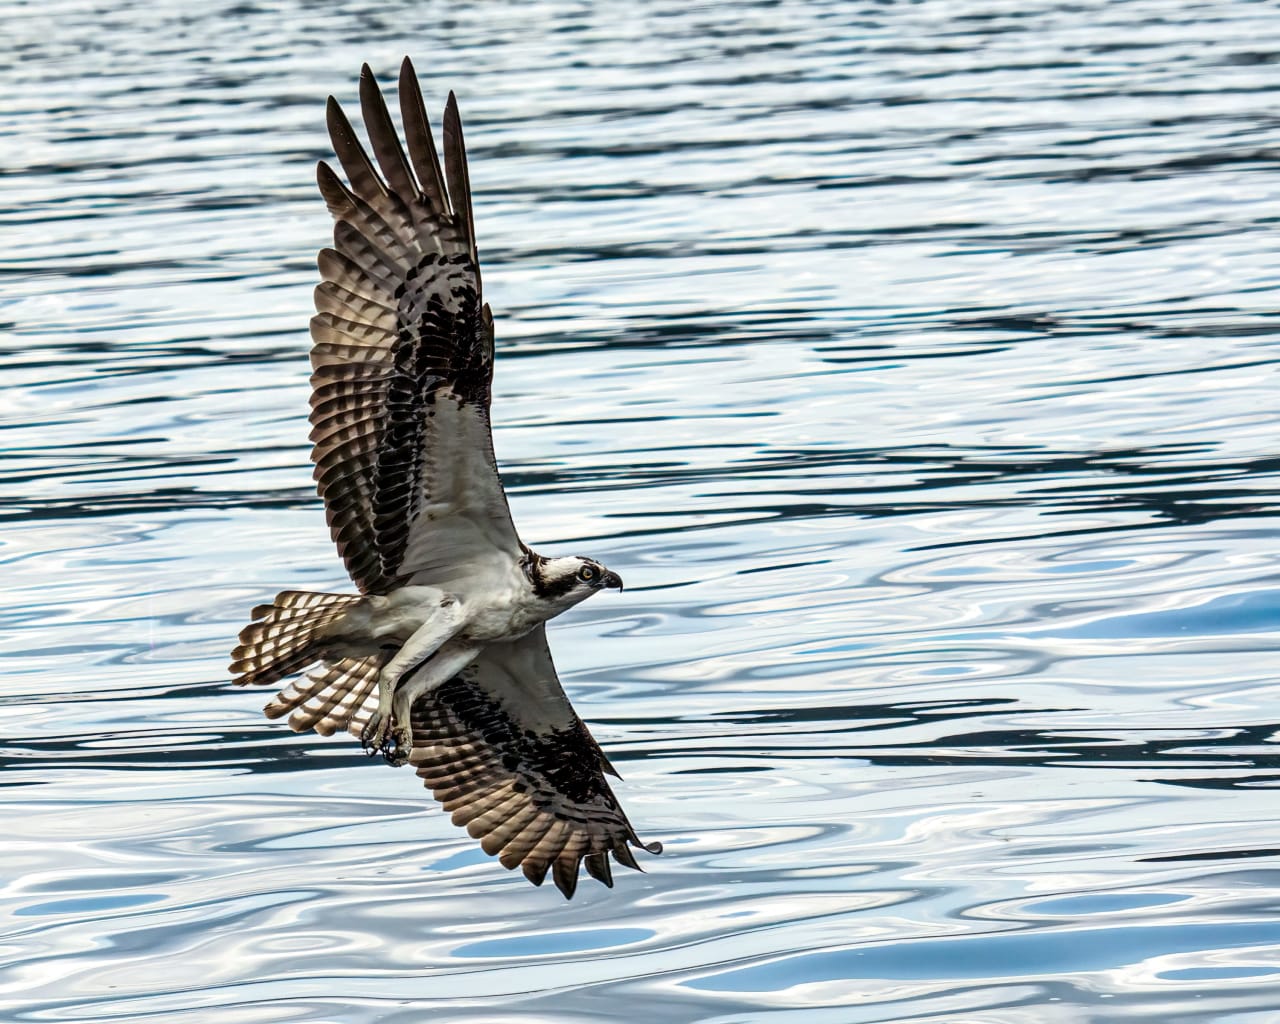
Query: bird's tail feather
x=283, y=637
x=337, y=695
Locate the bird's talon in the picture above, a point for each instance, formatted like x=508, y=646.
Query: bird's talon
x=384, y=736
x=396, y=747
x=373, y=738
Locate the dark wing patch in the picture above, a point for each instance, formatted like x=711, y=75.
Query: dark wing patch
x=403, y=353
x=501, y=748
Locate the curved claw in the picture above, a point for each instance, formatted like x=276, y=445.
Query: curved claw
x=395, y=749
x=383, y=735
x=374, y=735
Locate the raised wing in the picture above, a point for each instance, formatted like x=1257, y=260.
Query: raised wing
x=501, y=747
x=403, y=355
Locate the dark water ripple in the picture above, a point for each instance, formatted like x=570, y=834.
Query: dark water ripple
x=915, y=363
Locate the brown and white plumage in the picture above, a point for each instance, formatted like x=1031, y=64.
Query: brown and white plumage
x=403, y=353
x=443, y=661
x=502, y=749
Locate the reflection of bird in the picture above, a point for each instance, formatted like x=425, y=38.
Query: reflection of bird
x=442, y=660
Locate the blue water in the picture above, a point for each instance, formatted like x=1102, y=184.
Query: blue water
x=916, y=365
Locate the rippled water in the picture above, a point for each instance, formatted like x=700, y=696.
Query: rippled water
x=915, y=364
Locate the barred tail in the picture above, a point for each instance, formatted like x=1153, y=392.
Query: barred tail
x=283, y=639
x=337, y=695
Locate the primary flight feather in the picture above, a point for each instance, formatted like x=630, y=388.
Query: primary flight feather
x=441, y=660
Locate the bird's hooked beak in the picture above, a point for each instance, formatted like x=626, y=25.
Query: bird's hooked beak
x=611, y=581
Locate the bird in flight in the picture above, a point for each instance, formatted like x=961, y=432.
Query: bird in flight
x=441, y=659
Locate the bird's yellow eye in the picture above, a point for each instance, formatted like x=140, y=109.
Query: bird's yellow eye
x=587, y=573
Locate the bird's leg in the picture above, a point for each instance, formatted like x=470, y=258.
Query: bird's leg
x=375, y=734
x=395, y=734
x=437, y=671
x=387, y=732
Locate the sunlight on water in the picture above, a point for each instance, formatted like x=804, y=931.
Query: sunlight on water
x=916, y=366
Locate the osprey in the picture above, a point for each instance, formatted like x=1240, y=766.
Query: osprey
x=441, y=660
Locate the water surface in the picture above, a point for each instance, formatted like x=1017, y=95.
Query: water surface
x=916, y=364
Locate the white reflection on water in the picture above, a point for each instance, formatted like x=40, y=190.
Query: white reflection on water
x=915, y=364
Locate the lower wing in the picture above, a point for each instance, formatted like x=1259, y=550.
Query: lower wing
x=501, y=747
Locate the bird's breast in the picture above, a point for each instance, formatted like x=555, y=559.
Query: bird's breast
x=504, y=615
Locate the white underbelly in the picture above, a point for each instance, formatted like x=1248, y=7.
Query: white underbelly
x=496, y=622
x=505, y=611
x=379, y=623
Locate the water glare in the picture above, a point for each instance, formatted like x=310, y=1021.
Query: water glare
x=916, y=366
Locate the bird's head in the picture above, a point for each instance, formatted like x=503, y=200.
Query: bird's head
x=566, y=581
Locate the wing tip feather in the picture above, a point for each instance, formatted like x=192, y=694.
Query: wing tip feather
x=564, y=872
x=597, y=865
x=535, y=871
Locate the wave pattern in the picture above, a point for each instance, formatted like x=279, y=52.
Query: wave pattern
x=916, y=364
